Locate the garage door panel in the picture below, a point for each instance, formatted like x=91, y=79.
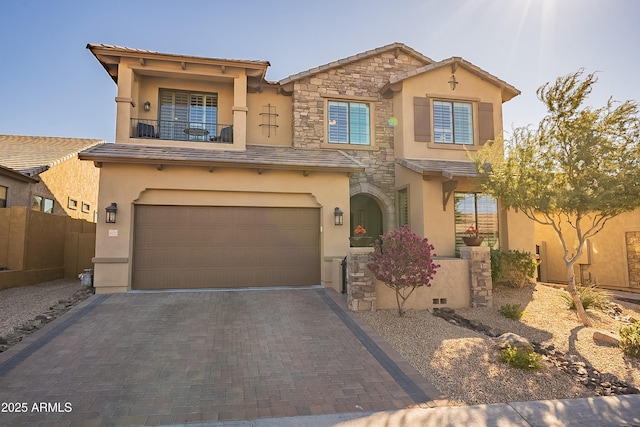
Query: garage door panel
x=209, y=247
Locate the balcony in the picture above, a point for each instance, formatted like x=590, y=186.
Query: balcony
x=176, y=130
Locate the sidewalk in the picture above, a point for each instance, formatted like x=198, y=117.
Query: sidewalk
x=610, y=411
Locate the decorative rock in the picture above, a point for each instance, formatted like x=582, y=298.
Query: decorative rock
x=606, y=338
x=513, y=340
x=572, y=358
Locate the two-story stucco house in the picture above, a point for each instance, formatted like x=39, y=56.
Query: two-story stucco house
x=222, y=178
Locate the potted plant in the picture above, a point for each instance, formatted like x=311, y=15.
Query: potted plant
x=360, y=240
x=472, y=237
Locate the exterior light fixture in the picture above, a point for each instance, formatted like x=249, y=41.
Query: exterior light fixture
x=338, y=216
x=112, y=210
x=147, y=106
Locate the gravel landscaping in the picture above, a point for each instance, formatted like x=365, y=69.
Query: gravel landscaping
x=464, y=365
x=25, y=309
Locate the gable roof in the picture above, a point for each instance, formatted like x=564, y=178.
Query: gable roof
x=34, y=154
x=508, y=91
x=342, y=62
x=254, y=157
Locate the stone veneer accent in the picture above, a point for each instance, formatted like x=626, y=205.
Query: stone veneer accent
x=479, y=274
x=361, y=284
x=358, y=79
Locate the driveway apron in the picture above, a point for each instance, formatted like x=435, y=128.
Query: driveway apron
x=169, y=358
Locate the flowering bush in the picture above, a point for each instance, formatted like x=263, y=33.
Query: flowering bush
x=472, y=232
x=360, y=230
x=403, y=261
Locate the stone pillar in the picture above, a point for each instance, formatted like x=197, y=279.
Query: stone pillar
x=361, y=284
x=479, y=274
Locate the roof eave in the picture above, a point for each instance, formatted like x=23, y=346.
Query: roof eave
x=99, y=159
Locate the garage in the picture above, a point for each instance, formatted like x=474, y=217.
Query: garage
x=191, y=247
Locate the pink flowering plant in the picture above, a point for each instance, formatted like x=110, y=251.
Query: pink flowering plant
x=403, y=261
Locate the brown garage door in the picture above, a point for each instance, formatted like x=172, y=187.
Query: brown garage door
x=185, y=247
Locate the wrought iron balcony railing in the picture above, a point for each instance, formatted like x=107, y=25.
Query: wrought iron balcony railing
x=176, y=130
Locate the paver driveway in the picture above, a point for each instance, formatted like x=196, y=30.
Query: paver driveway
x=166, y=358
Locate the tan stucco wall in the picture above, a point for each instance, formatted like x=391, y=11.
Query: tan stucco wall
x=36, y=246
x=428, y=219
x=434, y=84
x=72, y=179
x=605, y=258
x=451, y=282
x=18, y=192
x=258, y=133
x=128, y=184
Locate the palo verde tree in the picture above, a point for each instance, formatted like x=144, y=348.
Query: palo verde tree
x=403, y=261
x=578, y=169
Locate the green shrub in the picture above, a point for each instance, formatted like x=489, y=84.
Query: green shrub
x=512, y=311
x=630, y=340
x=590, y=297
x=512, y=267
x=497, y=266
x=520, y=357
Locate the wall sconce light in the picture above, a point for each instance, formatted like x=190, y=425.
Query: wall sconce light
x=147, y=106
x=338, y=216
x=453, y=82
x=112, y=210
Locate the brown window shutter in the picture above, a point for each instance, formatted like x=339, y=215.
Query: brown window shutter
x=485, y=121
x=421, y=119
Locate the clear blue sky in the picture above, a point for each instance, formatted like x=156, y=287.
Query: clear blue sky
x=51, y=85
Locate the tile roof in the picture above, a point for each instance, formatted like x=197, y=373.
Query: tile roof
x=254, y=157
x=93, y=47
x=353, y=58
x=34, y=154
x=447, y=168
x=507, y=90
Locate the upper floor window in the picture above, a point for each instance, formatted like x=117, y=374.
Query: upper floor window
x=349, y=123
x=42, y=204
x=188, y=115
x=3, y=196
x=453, y=122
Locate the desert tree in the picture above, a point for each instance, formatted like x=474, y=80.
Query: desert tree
x=575, y=171
x=403, y=261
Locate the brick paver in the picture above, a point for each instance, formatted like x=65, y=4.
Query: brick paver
x=168, y=358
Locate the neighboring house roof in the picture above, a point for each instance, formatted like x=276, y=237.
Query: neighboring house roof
x=109, y=55
x=357, y=57
x=255, y=157
x=34, y=154
x=508, y=91
x=446, y=168
x=8, y=172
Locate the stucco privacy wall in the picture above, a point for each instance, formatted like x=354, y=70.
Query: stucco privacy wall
x=458, y=283
x=36, y=246
x=174, y=185
x=607, y=258
x=358, y=80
